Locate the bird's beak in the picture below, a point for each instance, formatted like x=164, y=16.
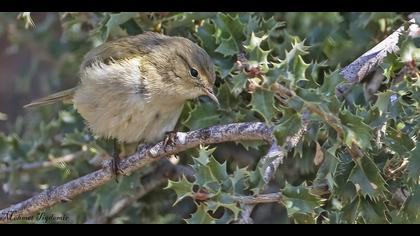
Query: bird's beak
x=210, y=94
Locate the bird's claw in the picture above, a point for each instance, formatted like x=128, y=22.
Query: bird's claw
x=170, y=139
x=116, y=170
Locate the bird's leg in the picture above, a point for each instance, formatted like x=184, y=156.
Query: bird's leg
x=116, y=160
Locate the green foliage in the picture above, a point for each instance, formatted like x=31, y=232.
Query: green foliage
x=278, y=68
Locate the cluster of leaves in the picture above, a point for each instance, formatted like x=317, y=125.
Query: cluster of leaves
x=365, y=150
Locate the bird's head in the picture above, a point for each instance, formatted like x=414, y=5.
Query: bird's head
x=193, y=69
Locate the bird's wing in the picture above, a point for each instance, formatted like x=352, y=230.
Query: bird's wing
x=124, y=48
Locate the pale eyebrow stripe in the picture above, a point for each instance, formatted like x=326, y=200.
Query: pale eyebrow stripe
x=184, y=59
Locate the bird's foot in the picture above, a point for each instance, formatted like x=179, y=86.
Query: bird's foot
x=116, y=170
x=170, y=139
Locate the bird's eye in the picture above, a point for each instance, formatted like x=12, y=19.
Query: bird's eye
x=194, y=72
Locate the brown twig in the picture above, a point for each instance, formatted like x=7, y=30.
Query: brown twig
x=143, y=157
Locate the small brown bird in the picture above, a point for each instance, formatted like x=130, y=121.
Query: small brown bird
x=133, y=89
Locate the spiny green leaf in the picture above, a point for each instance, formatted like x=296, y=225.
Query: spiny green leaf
x=398, y=141
x=218, y=170
x=351, y=210
x=201, y=216
x=228, y=47
x=230, y=26
x=227, y=217
x=183, y=188
x=205, y=34
x=115, y=20
x=383, y=101
x=344, y=189
x=288, y=125
x=411, y=207
x=414, y=163
x=239, y=180
x=225, y=201
x=298, y=199
x=263, y=102
x=330, y=83
x=299, y=69
x=203, y=175
x=239, y=83
x=271, y=24
x=254, y=42
x=355, y=130
x=228, y=101
x=373, y=212
x=366, y=176
x=204, y=155
x=203, y=115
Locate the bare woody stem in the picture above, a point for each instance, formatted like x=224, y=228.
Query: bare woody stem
x=143, y=157
x=158, y=177
x=366, y=63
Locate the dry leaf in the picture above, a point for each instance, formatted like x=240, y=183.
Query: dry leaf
x=319, y=155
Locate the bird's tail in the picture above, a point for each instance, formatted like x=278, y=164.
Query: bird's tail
x=64, y=95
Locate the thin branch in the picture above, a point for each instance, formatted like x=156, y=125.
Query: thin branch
x=157, y=178
x=366, y=63
x=43, y=164
x=272, y=165
x=143, y=157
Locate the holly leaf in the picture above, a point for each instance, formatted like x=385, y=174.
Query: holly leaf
x=227, y=202
x=263, y=102
x=355, y=130
x=398, y=141
x=218, y=170
x=201, y=116
x=239, y=83
x=201, y=216
x=299, y=200
x=239, y=180
x=208, y=170
x=414, y=162
x=230, y=27
x=330, y=83
x=288, y=125
x=183, y=188
x=373, y=212
x=228, y=47
x=115, y=20
x=254, y=42
x=227, y=100
x=209, y=35
x=203, y=175
x=411, y=207
x=367, y=178
x=383, y=101
x=204, y=155
x=350, y=210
